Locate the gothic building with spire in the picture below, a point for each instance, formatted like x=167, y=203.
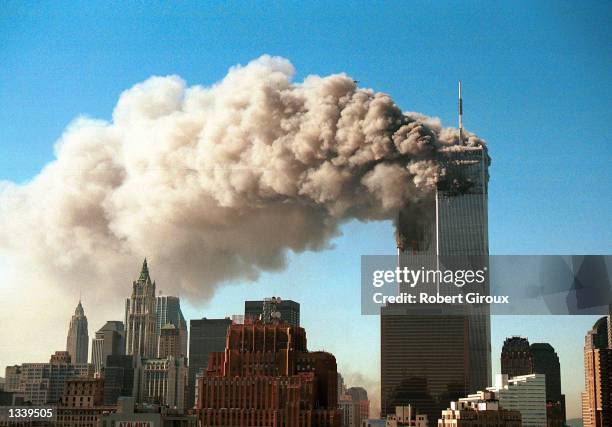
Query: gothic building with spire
x=140, y=327
x=77, y=343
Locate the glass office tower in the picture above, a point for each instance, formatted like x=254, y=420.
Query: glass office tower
x=432, y=355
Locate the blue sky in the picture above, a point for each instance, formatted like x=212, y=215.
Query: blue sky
x=537, y=86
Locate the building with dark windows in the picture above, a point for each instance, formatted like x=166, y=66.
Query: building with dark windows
x=82, y=404
x=140, y=317
x=267, y=377
x=77, y=343
x=546, y=361
x=597, y=397
x=431, y=355
x=205, y=336
x=119, y=378
x=289, y=311
x=516, y=357
x=109, y=341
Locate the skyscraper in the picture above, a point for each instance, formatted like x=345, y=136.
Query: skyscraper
x=429, y=359
x=206, y=336
x=109, y=340
x=289, y=310
x=77, y=343
x=516, y=357
x=168, y=311
x=546, y=361
x=519, y=358
x=141, y=333
x=597, y=398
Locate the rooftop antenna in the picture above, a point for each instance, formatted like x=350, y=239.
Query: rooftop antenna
x=460, y=116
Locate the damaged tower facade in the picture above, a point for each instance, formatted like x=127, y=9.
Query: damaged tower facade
x=430, y=358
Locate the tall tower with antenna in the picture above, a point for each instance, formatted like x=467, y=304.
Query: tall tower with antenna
x=460, y=115
x=415, y=369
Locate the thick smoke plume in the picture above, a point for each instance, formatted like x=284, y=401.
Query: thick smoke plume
x=218, y=183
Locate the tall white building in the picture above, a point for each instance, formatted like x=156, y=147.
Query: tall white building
x=524, y=393
x=140, y=317
x=77, y=343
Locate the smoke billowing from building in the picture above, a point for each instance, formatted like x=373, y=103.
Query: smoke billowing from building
x=218, y=183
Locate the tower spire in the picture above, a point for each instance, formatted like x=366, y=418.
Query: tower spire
x=460, y=115
x=144, y=272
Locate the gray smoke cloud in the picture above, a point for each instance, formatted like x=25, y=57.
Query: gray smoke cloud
x=217, y=183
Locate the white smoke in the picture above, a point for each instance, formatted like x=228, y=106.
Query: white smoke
x=218, y=183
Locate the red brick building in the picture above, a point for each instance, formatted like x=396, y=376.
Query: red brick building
x=267, y=378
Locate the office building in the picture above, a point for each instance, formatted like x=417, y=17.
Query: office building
x=597, y=397
x=120, y=377
x=109, y=341
x=12, y=376
x=168, y=311
x=81, y=404
x=355, y=406
x=546, y=361
x=170, y=342
x=516, y=357
x=267, y=377
x=140, y=317
x=523, y=393
x=130, y=414
x=206, y=336
x=43, y=383
x=520, y=358
x=163, y=382
x=77, y=343
x=479, y=410
x=289, y=310
x=430, y=358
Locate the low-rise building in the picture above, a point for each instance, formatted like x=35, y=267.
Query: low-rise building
x=523, y=393
x=82, y=403
x=406, y=416
x=481, y=409
x=130, y=415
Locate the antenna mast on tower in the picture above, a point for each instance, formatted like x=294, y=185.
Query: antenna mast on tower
x=460, y=115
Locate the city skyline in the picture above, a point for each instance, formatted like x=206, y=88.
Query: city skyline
x=539, y=94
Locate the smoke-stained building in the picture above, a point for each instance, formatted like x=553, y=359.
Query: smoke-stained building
x=140, y=317
x=109, y=341
x=77, y=342
x=429, y=359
